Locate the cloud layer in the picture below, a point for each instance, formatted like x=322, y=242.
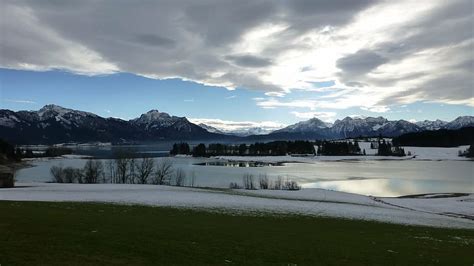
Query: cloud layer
x=378, y=53
x=239, y=126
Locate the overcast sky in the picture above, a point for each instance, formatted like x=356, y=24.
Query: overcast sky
x=256, y=62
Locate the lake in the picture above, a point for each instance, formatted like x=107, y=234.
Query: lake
x=366, y=176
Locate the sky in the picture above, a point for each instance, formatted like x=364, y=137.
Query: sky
x=238, y=64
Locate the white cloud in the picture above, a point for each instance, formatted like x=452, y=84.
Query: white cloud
x=325, y=116
x=232, y=126
x=376, y=109
x=19, y=101
x=188, y=100
x=379, y=53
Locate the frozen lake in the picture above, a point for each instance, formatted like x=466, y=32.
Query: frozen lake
x=436, y=170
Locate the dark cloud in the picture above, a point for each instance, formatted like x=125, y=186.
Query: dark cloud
x=360, y=63
x=249, y=60
x=155, y=40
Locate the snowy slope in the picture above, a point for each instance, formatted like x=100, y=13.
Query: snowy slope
x=462, y=121
x=314, y=202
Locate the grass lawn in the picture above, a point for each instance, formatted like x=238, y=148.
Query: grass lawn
x=40, y=233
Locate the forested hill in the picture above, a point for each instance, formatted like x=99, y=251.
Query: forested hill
x=437, y=138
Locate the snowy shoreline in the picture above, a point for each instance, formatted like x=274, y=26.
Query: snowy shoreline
x=451, y=212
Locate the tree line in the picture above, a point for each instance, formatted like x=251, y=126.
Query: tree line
x=274, y=148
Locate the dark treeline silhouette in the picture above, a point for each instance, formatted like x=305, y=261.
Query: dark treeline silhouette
x=49, y=152
x=180, y=148
x=333, y=148
x=8, y=153
x=386, y=149
x=438, y=138
x=274, y=148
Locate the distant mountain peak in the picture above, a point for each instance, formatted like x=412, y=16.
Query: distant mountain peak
x=153, y=116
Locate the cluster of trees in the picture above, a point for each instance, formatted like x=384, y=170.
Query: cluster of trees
x=386, y=149
x=180, y=148
x=273, y=148
x=249, y=183
x=125, y=168
x=339, y=148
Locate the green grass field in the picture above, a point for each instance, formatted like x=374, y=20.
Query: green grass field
x=40, y=233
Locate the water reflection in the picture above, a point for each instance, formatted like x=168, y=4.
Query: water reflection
x=394, y=187
x=239, y=164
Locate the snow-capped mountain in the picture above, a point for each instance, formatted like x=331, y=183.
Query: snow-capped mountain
x=352, y=127
x=56, y=124
x=312, y=125
x=155, y=119
x=462, y=121
x=431, y=125
x=368, y=126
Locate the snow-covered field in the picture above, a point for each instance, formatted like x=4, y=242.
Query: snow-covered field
x=455, y=212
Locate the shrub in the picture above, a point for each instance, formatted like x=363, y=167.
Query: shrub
x=291, y=185
x=71, y=175
x=58, y=174
x=180, y=177
x=234, y=185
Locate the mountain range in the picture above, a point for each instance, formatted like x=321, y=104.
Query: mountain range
x=371, y=126
x=56, y=124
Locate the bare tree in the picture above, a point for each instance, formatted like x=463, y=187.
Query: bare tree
x=144, y=169
x=278, y=183
x=93, y=170
x=111, y=167
x=122, y=162
x=193, y=179
x=180, y=177
x=248, y=181
x=164, y=170
x=58, y=174
x=263, y=181
x=132, y=173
